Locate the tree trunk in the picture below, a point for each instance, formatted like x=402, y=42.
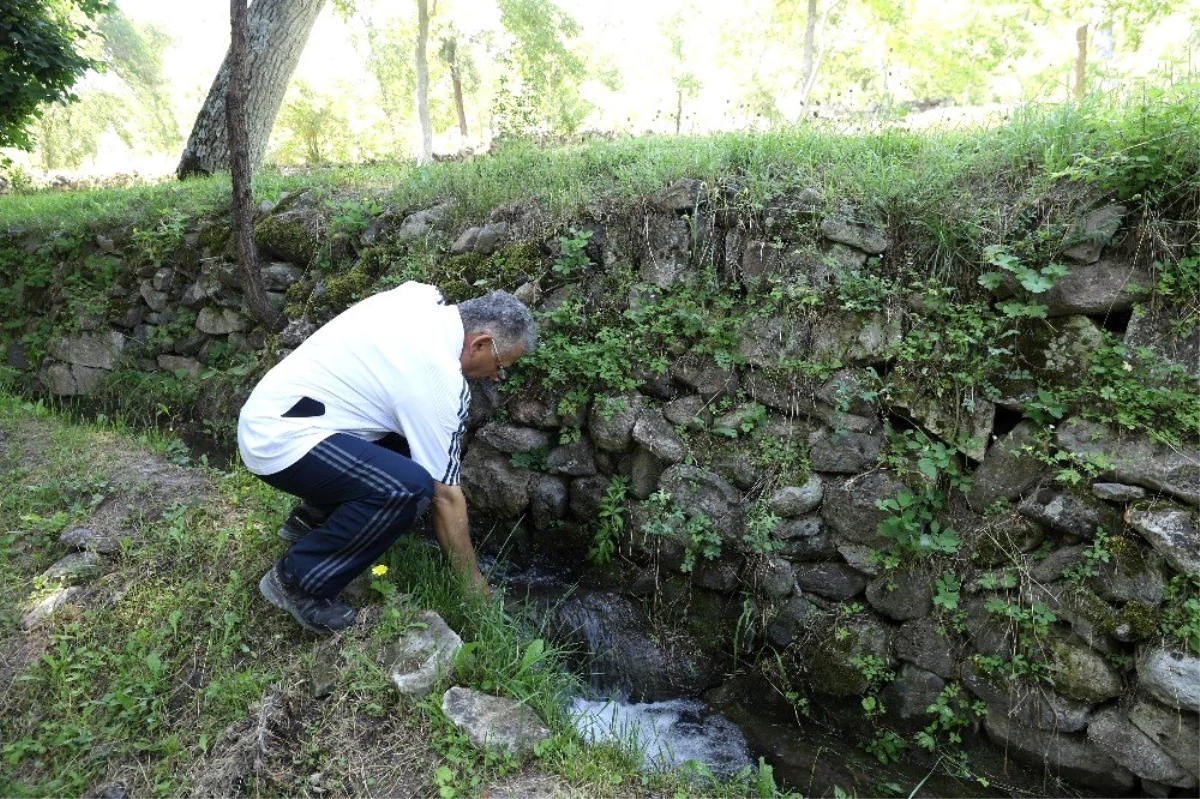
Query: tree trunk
x=426, y=154
x=1081, y=37
x=243, y=209
x=678, y=110
x=810, y=43
x=450, y=55
x=277, y=32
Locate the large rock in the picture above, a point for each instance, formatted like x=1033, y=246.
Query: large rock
x=699, y=491
x=586, y=494
x=1172, y=678
x=575, y=460
x=44, y=609
x=790, y=620
x=685, y=194
x=654, y=433
x=1069, y=757
x=277, y=276
x=844, y=452
x=425, y=654
x=1080, y=672
x=855, y=338
x=804, y=539
x=548, y=501
x=901, y=596
x=1097, y=289
x=767, y=341
x=645, y=470
x=94, y=350
x=1136, y=459
x=849, y=507
x=87, y=539
x=925, y=643
x=909, y=697
x=702, y=374
x=1167, y=330
x=853, y=233
x=774, y=577
x=1132, y=574
x=1068, y=513
x=74, y=568
x=833, y=580
x=177, y=364
x=293, y=235
x=1008, y=469
x=831, y=660
x=1089, y=236
x=668, y=256
x=1176, y=733
x=611, y=421
x=513, y=438
x=967, y=429
x=1114, y=734
x=422, y=223
x=1034, y=706
x=1173, y=534
x=220, y=321
x=66, y=380
x=494, y=723
x=790, y=502
x=493, y=485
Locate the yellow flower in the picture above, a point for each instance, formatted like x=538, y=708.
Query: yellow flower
x=379, y=570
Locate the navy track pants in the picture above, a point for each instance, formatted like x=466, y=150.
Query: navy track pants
x=373, y=493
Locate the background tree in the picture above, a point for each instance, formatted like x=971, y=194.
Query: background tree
x=40, y=59
x=540, y=71
x=449, y=54
x=425, y=155
x=312, y=127
x=237, y=137
x=277, y=32
x=683, y=77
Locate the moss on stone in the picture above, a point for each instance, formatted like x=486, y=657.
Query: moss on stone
x=347, y=288
x=291, y=236
x=214, y=237
x=1140, y=619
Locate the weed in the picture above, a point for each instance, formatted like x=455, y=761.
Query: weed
x=610, y=522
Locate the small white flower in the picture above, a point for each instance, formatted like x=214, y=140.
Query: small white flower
x=1127, y=366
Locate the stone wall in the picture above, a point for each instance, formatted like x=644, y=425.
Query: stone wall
x=750, y=484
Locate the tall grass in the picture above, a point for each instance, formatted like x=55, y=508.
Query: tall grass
x=883, y=167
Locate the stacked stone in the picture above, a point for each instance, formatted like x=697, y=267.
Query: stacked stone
x=1122, y=711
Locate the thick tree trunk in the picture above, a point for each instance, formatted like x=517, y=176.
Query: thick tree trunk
x=426, y=154
x=278, y=30
x=243, y=209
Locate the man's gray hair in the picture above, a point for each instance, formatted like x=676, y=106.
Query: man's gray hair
x=503, y=317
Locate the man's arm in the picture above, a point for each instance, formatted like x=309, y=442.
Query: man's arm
x=454, y=533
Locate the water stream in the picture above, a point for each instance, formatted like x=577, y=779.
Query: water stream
x=633, y=700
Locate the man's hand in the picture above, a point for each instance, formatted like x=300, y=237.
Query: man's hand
x=454, y=534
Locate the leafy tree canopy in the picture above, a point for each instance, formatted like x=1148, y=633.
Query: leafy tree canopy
x=40, y=59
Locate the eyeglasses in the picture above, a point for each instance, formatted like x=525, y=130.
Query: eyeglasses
x=501, y=372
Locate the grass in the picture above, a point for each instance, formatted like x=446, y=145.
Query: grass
x=160, y=676
x=885, y=168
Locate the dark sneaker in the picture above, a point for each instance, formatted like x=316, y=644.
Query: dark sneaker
x=324, y=616
x=303, y=519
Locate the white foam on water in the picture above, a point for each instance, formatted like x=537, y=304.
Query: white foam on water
x=670, y=733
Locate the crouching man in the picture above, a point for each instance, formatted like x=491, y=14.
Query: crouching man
x=363, y=422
